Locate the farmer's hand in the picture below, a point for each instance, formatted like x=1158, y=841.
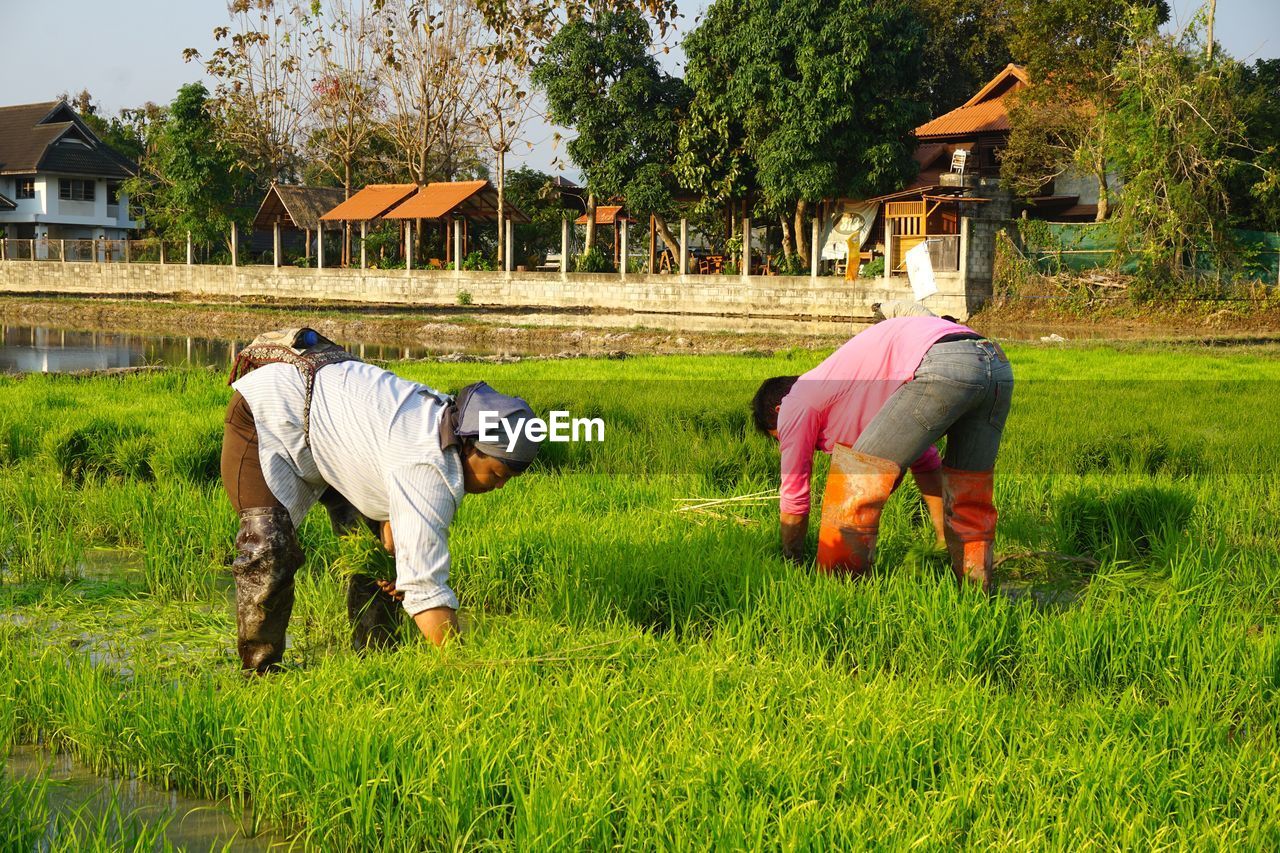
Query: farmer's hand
x=794, y=530
x=390, y=589
x=387, y=541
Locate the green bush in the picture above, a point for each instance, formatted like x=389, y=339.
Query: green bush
x=594, y=261
x=874, y=269
x=477, y=261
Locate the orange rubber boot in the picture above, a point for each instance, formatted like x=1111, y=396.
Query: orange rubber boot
x=969, y=523
x=857, y=487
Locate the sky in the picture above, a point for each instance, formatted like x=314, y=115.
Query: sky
x=129, y=52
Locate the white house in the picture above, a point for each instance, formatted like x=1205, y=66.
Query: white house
x=57, y=179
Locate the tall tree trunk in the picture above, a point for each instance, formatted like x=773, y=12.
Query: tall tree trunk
x=786, y=235
x=1103, y=193
x=664, y=231
x=802, y=249
x=502, y=220
x=590, y=242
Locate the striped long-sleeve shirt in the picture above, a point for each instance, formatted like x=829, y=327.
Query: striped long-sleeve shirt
x=376, y=439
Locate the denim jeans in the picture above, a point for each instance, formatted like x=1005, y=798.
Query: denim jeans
x=962, y=390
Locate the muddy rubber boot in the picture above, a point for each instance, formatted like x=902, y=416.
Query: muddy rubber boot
x=374, y=616
x=969, y=522
x=267, y=556
x=857, y=487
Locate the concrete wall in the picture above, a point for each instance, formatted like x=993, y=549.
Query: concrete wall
x=787, y=297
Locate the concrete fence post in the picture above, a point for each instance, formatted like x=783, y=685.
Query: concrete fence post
x=191, y=250
x=63, y=250
x=684, y=246
x=275, y=244
x=457, y=248
x=746, y=246
x=509, y=233
x=128, y=256
x=320, y=247
x=364, y=228
x=161, y=251
x=814, y=250
x=235, y=245
x=622, y=266
x=564, y=249
x=888, y=250
x=408, y=246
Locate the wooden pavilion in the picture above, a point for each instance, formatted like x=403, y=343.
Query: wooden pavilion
x=613, y=216
x=291, y=212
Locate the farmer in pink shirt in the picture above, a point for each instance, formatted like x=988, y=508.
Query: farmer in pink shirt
x=877, y=405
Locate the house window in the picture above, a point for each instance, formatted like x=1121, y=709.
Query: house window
x=26, y=188
x=113, y=192
x=75, y=189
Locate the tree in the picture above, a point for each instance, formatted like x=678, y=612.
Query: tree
x=125, y=134
x=1254, y=189
x=1070, y=48
x=1176, y=136
x=600, y=79
x=262, y=85
x=534, y=194
x=424, y=54
x=190, y=181
x=966, y=44
x=807, y=100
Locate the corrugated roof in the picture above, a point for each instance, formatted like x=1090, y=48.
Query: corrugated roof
x=606, y=214
x=38, y=137
x=983, y=113
x=296, y=207
x=469, y=199
x=372, y=202
x=436, y=199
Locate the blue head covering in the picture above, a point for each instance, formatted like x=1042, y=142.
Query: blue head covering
x=509, y=412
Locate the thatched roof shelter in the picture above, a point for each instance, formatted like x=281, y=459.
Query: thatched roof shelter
x=295, y=207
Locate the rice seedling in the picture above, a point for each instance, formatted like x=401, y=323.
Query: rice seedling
x=640, y=668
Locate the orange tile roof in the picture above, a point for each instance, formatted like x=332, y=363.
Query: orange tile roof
x=436, y=199
x=606, y=214
x=983, y=113
x=372, y=202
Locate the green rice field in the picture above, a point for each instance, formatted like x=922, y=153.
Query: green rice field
x=637, y=677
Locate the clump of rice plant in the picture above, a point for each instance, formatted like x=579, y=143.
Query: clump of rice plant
x=101, y=449
x=359, y=553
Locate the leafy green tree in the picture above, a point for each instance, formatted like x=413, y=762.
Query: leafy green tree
x=124, y=134
x=1254, y=191
x=532, y=192
x=801, y=100
x=600, y=78
x=966, y=44
x=1058, y=123
x=190, y=181
x=1176, y=136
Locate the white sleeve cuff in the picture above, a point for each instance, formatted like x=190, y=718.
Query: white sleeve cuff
x=428, y=597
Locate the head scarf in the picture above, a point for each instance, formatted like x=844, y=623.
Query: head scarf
x=512, y=414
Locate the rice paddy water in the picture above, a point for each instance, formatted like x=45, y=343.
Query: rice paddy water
x=636, y=674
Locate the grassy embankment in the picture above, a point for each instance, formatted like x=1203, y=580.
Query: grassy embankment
x=634, y=677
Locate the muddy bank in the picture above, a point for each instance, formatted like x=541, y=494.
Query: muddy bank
x=439, y=329
x=1192, y=321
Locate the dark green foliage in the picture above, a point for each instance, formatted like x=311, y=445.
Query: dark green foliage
x=801, y=100
x=1144, y=452
x=593, y=261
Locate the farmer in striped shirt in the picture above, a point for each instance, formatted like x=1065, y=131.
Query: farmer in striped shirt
x=375, y=449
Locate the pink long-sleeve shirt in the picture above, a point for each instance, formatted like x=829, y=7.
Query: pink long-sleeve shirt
x=833, y=403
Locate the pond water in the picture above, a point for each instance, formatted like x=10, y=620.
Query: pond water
x=26, y=349
x=192, y=824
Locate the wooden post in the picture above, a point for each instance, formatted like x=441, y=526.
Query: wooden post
x=622, y=267
x=127, y=255
x=364, y=227
x=408, y=246
x=275, y=243
x=684, y=246
x=888, y=250
x=564, y=248
x=191, y=250
x=307, y=250
x=235, y=245
x=746, y=246
x=509, y=233
x=457, y=248
x=813, y=250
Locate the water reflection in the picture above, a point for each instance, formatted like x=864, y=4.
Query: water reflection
x=25, y=349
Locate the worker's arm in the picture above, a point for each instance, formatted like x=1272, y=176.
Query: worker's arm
x=795, y=528
x=439, y=624
x=930, y=484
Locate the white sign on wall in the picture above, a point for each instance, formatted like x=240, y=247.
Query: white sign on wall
x=920, y=272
